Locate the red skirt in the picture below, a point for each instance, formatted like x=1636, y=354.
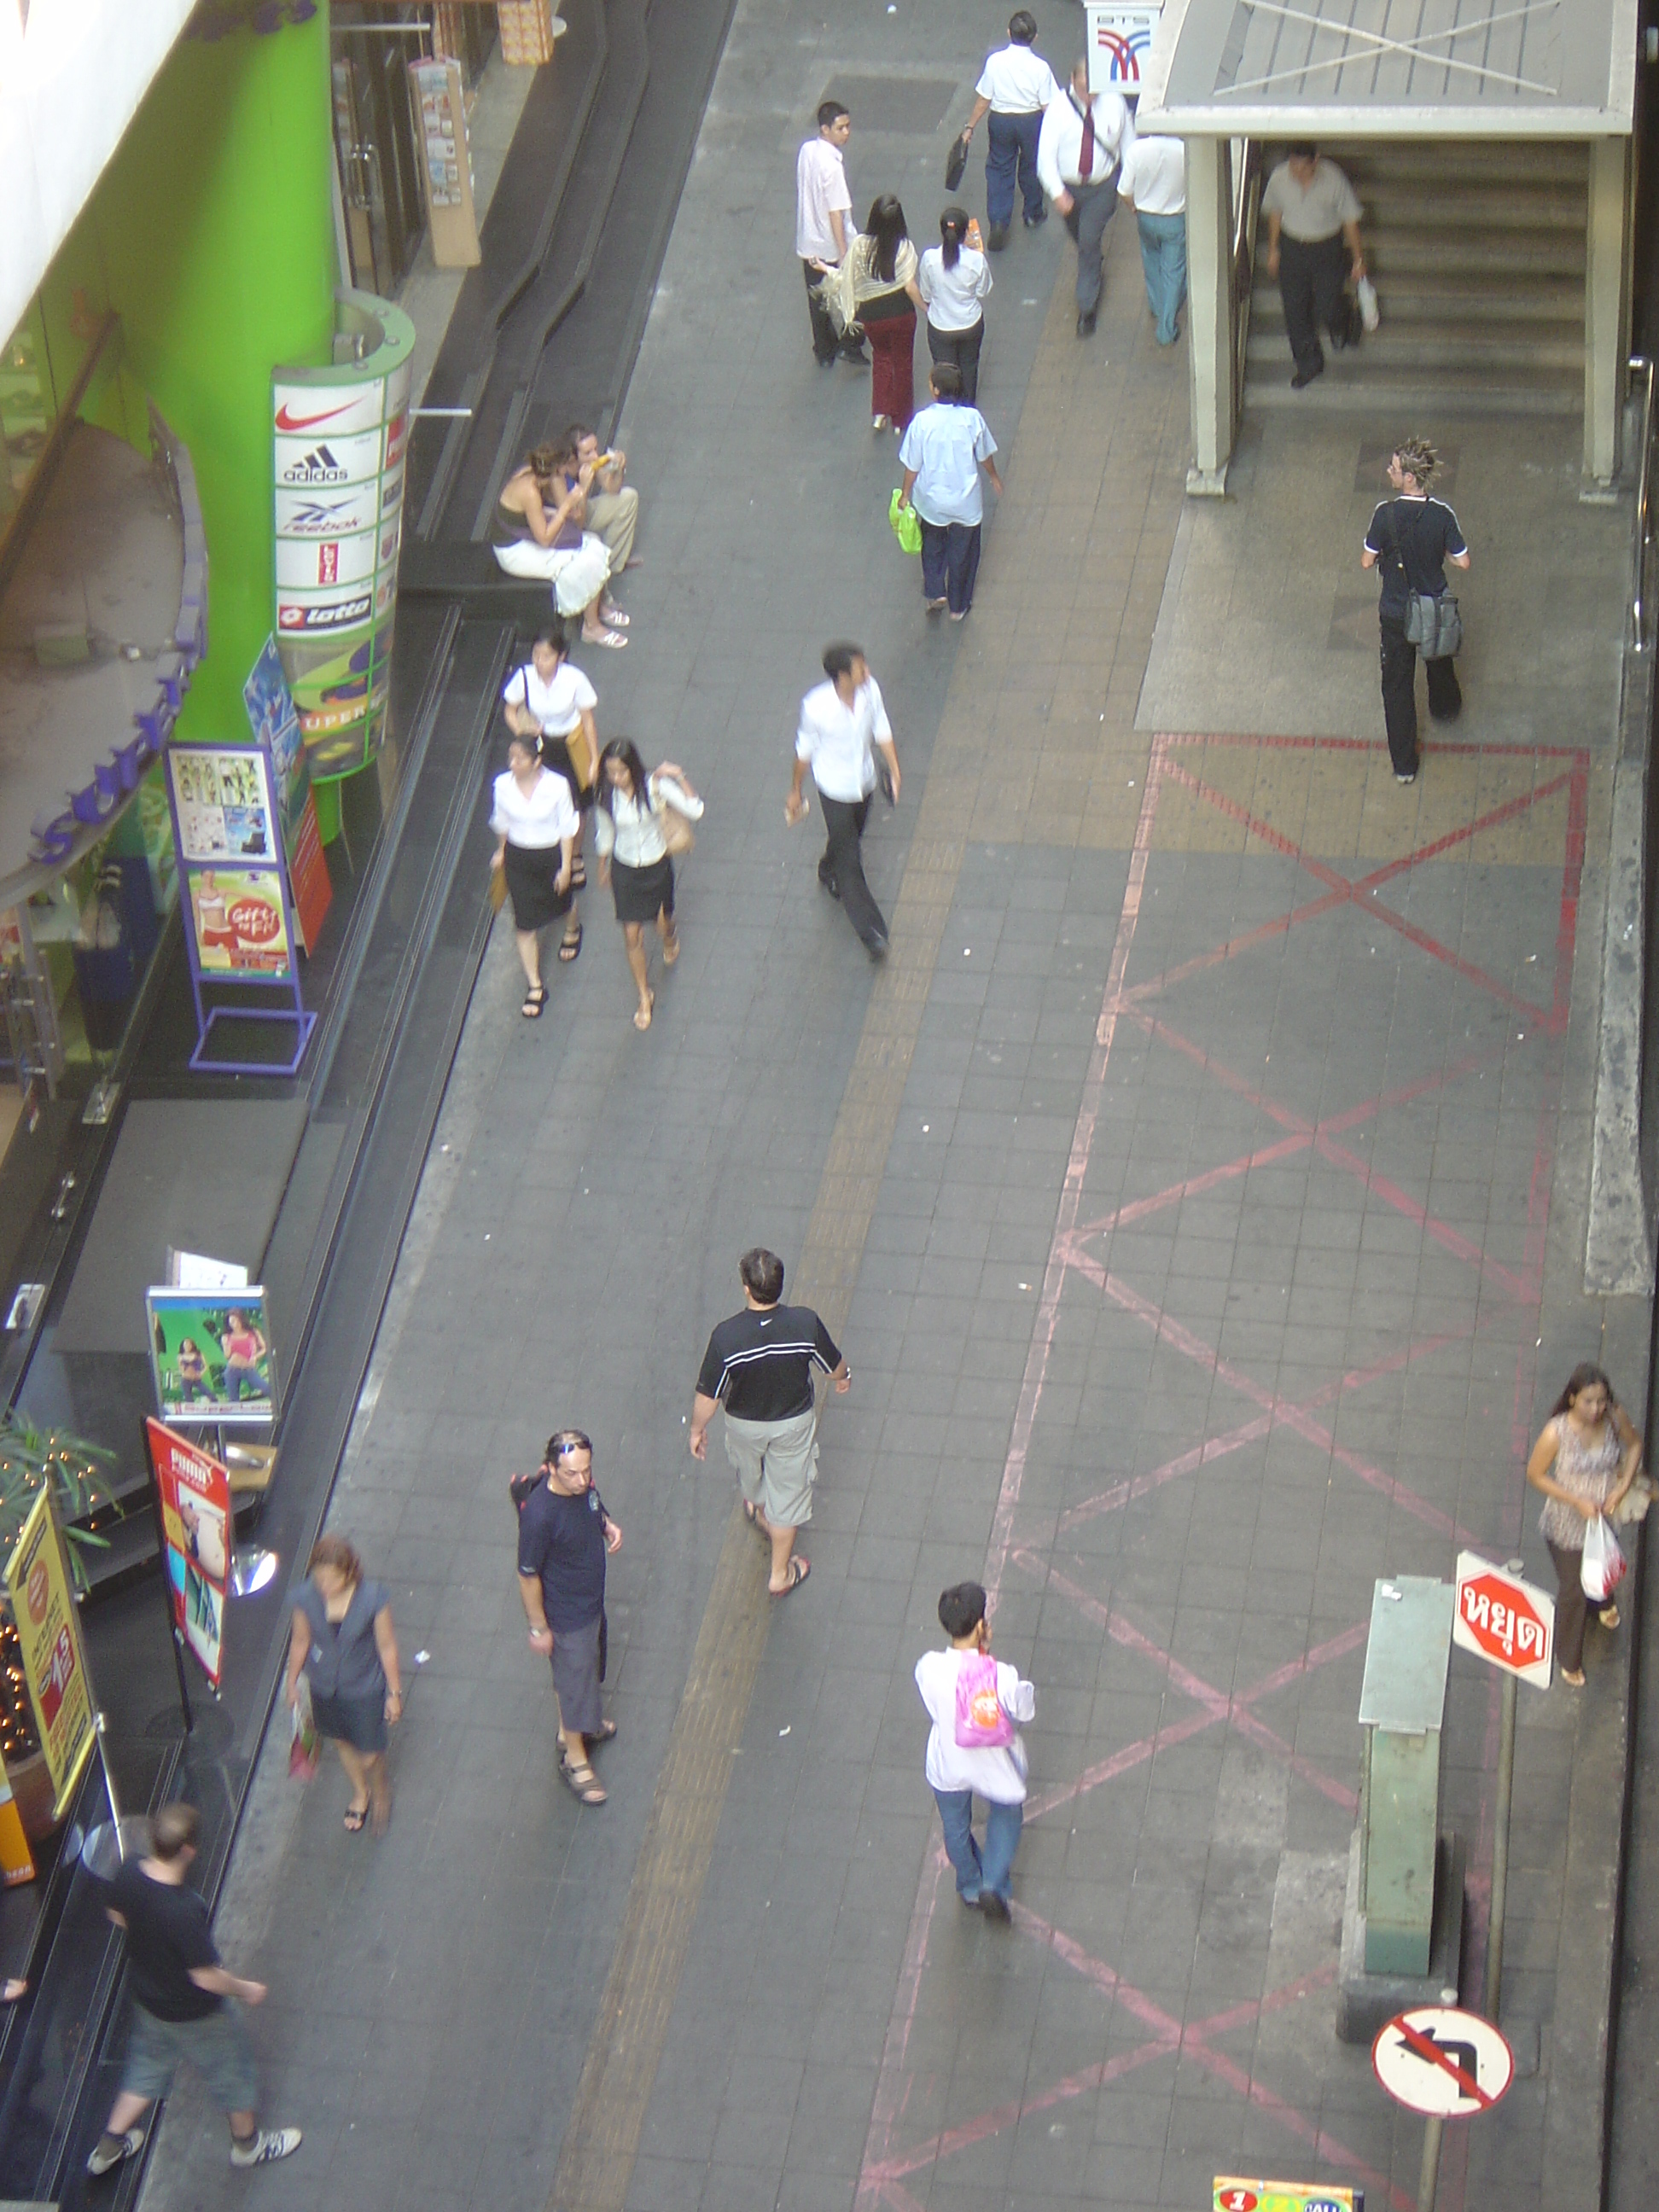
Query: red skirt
x=892, y=376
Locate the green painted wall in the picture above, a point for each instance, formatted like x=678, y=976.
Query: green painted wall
x=212, y=235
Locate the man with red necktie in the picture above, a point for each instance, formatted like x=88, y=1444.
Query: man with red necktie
x=1084, y=139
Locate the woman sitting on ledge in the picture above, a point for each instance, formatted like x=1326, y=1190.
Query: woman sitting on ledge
x=537, y=532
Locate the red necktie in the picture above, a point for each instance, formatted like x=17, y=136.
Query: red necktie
x=1085, y=160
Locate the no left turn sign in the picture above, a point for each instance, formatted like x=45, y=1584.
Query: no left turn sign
x=1440, y=2061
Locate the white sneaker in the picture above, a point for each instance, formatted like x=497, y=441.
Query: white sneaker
x=106, y=2156
x=269, y=2143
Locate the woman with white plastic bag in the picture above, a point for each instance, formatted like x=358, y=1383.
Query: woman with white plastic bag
x=1587, y=1456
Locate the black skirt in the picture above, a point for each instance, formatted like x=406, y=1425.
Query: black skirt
x=555, y=753
x=641, y=894
x=531, y=877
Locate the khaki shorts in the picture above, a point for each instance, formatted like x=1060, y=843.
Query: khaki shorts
x=777, y=1463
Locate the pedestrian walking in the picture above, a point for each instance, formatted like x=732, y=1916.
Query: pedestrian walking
x=824, y=230
x=1411, y=537
x=1153, y=181
x=185, y=2003
x=876, y=287
x=536, y=530
x=942, y=453
x=344, y=1645
x=1085, y=136
x=550, y=699
x=954, y=280
x=536, y=822
x=1587, y=1456
x=758, y=1365
x=631, y=832
x=843, y=725
x=973, y=1702
x=1015, y=86
x=613, y=510
x=1313, y=244
x=565, y=1537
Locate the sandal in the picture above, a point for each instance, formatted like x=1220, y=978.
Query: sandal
x=1576, y=1679
x=755, y=1517
x=1608, y=1616
x=602, y=1734
x=671, y=948
x=570, y=947
x=647, y=1009
x=534, y=1000
x=612, y=638
x=578, y=874
x=582, y=1779
x=613, y=617
x=799, y=1571
x=356, y=1817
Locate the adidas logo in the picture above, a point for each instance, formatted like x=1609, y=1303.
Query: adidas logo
x=319, y=467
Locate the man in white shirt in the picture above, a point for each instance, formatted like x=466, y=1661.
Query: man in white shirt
x=843, y=725
x=994, y=1697
x=1086, y=138
x=1015, y=86
x=823, y=209
x=1153, y=180
x=943, y=451
x=1313, y=244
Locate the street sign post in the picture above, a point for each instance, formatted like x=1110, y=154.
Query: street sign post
x=1510, y=1624
x=1447, y=2064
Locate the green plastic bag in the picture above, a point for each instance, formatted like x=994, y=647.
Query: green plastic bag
x=907, y=528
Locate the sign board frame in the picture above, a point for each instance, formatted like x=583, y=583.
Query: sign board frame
x=1483, y=1613
x=173, y=1317
x=1426, y=2066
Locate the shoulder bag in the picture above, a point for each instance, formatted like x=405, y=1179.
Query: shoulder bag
x=1433, y=623
x=676, y=831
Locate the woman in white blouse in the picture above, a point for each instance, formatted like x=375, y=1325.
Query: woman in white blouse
x=634, y=856
x=536, y=822
x=954, y=278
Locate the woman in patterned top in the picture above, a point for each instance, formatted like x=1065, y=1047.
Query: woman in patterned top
x=1585, y=1459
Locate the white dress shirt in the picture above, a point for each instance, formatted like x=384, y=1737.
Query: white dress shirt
x=952, y=296
x=557, y=707
x=1155, y=177
x=543, y=816
x=820, y=190
x=945, y=444
x=632, y=833
x=1016, y=80
x=1060, y=145
x=997, y=1773
x=838, y=742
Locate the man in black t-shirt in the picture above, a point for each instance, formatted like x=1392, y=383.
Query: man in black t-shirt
x=759, y=1366
x=565, y=1536
x=1411, y=537
x=184, y=2003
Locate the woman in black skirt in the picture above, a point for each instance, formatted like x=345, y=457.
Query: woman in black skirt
x=535, y=821
x=634, y=856
x=343, y=1640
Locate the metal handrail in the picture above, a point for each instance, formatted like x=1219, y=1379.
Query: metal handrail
x=1642, y=365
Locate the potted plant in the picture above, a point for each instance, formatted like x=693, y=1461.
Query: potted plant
x=32, y=1460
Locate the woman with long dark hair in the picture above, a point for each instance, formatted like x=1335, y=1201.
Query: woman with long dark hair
x=877, y=289
x=536, y=530
x=954, y=278
x=628, y=835
x=1584, y=1460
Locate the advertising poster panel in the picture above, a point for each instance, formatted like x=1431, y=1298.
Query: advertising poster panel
x=54, y=1663
x=210, y=1356
x=199, y=1532
x=276, y=729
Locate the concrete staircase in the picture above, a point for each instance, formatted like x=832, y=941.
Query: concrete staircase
x=1477, y=251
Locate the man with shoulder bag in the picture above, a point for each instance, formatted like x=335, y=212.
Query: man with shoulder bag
x=1411, y=537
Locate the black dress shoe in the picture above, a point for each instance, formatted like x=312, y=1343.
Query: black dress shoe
x=996, y=238
x=876, y=947
x=830, y=883
x=1305, y=377
x=992, y=1906
x=1032, y=221
x=1086, y=324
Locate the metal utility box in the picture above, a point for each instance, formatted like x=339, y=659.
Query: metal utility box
x=1401, y=1708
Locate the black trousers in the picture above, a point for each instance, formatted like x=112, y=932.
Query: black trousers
x=826, y=342
x=842, y=864
x=1400, y=693
x=1312, y=281
x=960, y=347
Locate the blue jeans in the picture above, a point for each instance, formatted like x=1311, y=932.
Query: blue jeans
x=1012, y=145
x=950, y=563
x=976, y=1870
x=1163, y=259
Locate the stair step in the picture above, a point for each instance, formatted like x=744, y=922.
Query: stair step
x=1517, y=356
x=1427, y=208
x=1416, y=399
x=1550, y=316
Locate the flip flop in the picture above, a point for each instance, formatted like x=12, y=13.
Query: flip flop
x=752, y=1514
x=647, y=1010
x=670, y=948
x=799, y=1571
x=356, y=1819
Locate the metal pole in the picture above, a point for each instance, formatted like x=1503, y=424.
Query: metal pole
x=1432, y=2131
x=1500, y=1851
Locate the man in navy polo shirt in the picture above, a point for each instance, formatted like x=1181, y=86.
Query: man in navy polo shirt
x=564, y=1537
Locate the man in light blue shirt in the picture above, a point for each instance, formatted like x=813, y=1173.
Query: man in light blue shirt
x=943, y=451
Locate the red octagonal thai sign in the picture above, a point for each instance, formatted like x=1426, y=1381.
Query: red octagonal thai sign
x=1504, y=1619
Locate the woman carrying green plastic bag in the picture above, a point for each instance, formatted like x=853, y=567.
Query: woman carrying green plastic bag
x=907, y=528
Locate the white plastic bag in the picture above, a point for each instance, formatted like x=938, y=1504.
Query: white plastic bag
x=1365, y=291
x=1603, y=1567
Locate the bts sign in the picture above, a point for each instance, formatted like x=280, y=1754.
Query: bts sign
x=1507, y=1621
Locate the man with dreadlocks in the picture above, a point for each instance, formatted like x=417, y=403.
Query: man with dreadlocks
x=1413, y=536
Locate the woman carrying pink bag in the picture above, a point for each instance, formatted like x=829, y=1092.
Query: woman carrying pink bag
x=973, y=1701
x=1586, y=1457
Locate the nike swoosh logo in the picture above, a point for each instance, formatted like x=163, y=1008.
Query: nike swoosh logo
x=287, y=422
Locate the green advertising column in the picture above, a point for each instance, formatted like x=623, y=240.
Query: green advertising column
x=215, y=223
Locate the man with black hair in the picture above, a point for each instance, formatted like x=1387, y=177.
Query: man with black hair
x=975, y=1750
x=1313, y=244
x=565, y=1535
x=823, y=207
x=759, y=1366
x=184, y=2002
x=1410, y=538
x=1015, y=86
x=1081, y=148
x=843, y=725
